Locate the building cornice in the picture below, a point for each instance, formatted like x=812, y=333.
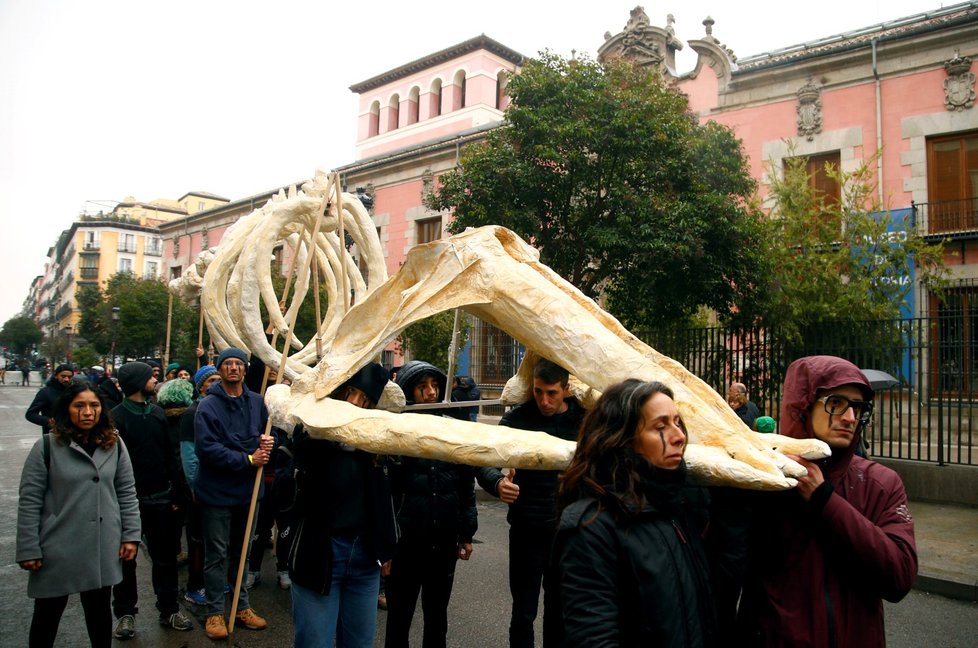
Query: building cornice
x=481, y=42
x=907, y=27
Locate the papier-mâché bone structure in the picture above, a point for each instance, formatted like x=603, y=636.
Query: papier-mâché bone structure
x=488, y=272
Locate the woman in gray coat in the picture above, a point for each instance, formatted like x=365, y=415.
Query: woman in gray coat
x=77, y=517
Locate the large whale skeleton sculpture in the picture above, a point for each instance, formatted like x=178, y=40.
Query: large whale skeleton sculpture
x=488, y=272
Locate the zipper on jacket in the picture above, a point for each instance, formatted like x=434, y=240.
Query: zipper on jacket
x=679, y=532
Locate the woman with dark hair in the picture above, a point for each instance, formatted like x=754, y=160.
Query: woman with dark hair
x=630, y=565
x=78, y=474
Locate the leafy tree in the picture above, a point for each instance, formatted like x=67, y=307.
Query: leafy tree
x=85, y=356
x=20, y=334
x=605, y=169
x=842, y=261
x=140, y=330
x=431, y=338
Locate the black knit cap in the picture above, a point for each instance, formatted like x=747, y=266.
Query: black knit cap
x=370, y=379
x=133, y=376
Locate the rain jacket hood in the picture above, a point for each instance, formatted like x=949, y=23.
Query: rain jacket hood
x=413, y=371
x=805, y=379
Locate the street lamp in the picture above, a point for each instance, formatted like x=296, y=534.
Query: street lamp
x=68, y=352
x=115, y=320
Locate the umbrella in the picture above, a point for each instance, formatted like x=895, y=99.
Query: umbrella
x=879, y=379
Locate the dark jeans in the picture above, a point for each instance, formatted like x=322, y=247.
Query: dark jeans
x=224, y=534
x=529, y=555
x=425, y=569
x=161, y=531
x=98, y=618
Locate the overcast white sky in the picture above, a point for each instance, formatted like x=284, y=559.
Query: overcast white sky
x=105, y=99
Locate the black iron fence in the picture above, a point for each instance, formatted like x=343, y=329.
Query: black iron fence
x=931, y=415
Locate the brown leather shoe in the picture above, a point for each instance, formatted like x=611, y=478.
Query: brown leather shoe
x=215, y=627
x=250, y=620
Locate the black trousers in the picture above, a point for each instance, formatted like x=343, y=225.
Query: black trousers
x=161, y=531
x=98, y=618
x=529, y=557
x=195, y=546
x=268, y=516
x=424, y=568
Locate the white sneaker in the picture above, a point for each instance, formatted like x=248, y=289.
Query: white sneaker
x=284, y=581
x=252, y=579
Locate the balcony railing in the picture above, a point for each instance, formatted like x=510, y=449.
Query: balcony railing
x=956, y=219
x=88, y=273
x=127, y=247
x=92, y=246
x=153, y=250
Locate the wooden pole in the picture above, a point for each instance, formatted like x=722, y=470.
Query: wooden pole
x=344, y=289
x=268, y=428
x=281, y=306
x=447, y=396
x=200, y=331
x=319, y=319
x=169, y=318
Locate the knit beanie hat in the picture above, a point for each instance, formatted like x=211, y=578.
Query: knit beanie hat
x=63, y=367
x=371, y=380
x=175, y=393
x=202, y=375
x=231, y=352
x=173, y=366
x=133, y=376
x=764, y=424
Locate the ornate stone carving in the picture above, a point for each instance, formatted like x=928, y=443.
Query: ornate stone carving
x=637, y=40
x=204, y=239
x=176, y=247
x=809, y=110
x=959, y=86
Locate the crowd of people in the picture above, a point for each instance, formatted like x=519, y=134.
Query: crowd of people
x=625, y=549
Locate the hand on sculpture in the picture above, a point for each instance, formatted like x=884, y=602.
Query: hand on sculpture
x=808, y=483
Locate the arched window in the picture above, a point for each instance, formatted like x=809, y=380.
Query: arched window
x=393, y=112
x=459, y=82
x=373, y=124
x=434, y=108
x=412, y=105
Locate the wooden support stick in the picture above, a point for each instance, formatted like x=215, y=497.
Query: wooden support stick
x=319, y=317
x=169, y=318
x=268, y=428
x=200, y=332
x=344, y=287
x=452, y=350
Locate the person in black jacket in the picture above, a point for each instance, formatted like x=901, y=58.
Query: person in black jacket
x=42, y=407
x=630, y=566
x=531, y=496
x=345, y=530
x=144, y=429
x=436, y=513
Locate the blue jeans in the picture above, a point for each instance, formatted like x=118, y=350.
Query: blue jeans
x=348, y=613
x=223, y=529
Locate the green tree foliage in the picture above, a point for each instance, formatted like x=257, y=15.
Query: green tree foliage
x=431, y=338
x=607, y=172
x=140, y=330
x=842, y=261
x=85, y=356
x=20, y=334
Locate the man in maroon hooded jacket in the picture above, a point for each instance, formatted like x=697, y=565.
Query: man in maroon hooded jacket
x=824, y=555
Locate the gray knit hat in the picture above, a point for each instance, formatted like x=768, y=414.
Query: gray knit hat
x=133, y=376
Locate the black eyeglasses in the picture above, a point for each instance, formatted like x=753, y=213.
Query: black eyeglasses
x=838, y=405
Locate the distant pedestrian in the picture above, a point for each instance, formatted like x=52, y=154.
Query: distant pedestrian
x=41, y=410
x=741, y=404
x=78, y=474
x=25, y=374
